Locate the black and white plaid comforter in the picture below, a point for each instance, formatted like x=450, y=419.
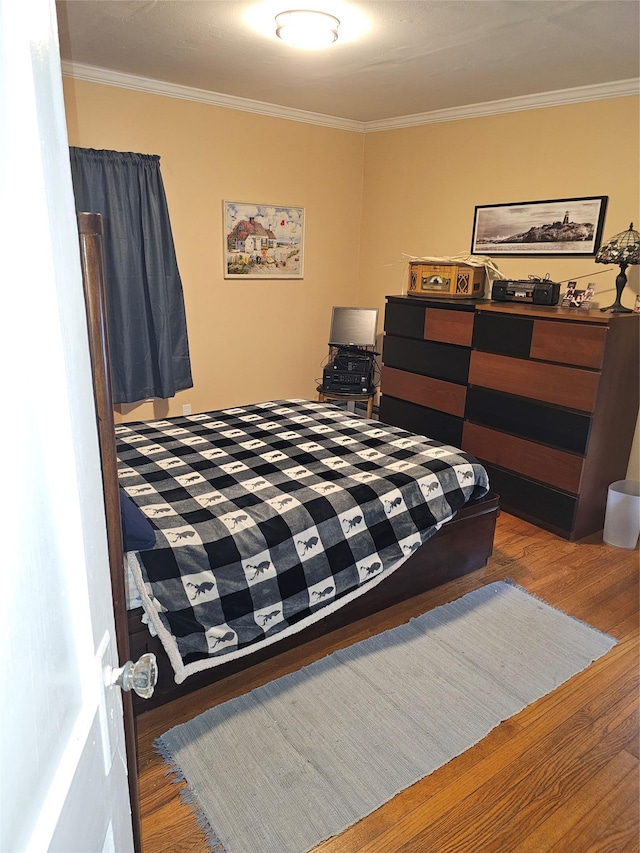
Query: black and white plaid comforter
x=270, y=515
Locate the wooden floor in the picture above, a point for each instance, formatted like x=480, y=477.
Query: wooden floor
x=561, y=776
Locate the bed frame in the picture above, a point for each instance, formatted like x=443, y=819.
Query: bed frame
x=459, y=547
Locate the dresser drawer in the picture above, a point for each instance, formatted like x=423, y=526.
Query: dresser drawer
x=542, y=505
x=571, y=387
x=449, y=327
x=424, y=390
x=537, y=461
x=503, y=335
x=418, y=419
x=429, y=358
x=541, y=422
x=568, y=343
x=405, y=320
x=578, y=344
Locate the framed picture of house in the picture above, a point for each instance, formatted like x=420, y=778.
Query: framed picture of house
x=567, y=226
x=263, y=240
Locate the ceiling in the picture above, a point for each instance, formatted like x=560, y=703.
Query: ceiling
x=393, y=58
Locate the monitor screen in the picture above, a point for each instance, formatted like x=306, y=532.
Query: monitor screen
x=355, y=327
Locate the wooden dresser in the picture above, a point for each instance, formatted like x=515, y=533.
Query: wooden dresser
x=548, y=400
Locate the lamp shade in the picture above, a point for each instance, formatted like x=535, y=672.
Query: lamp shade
x=623, y=248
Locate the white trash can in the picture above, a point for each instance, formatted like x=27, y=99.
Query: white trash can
x=622, y=517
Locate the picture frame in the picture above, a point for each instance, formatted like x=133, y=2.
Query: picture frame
x=574, y=298
x=566, y=227
x=263, y=241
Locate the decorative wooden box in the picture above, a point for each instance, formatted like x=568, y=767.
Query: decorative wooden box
x=457, y=280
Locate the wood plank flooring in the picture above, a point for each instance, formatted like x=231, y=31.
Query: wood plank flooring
x=561, y=776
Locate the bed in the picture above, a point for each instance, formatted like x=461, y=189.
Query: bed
x=270, y=516
x=276, y=523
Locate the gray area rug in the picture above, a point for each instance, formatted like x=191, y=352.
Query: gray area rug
x=302, y=758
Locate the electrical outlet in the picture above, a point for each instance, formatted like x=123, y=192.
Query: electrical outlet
x=186, y=409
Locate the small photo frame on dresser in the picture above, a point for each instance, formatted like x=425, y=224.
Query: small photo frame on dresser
x=575, y=298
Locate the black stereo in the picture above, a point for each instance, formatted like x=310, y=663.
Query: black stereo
x=536, y=292
x=347, y=383
x=346, y=362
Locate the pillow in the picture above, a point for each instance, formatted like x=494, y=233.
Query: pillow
x=137, y=532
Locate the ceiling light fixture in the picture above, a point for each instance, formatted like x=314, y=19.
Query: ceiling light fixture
x=307, y=29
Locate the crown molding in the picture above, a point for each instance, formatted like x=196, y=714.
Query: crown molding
x=93, y=74
x=561, y=97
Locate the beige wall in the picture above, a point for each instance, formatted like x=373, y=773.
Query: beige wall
x=368, y=199
x=421, y=186
x=249, y=340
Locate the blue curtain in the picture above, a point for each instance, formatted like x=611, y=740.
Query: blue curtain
x=145, y=306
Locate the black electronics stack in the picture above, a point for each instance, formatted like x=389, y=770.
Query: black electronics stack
x=349, y=371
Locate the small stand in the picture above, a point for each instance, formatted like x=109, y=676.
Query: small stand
x=324, y=396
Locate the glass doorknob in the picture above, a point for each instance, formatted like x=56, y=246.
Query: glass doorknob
x=141, y=676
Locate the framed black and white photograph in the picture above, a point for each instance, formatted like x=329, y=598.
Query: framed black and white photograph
x=263, y=240
x=566, y=226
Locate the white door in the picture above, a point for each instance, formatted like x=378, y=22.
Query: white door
x=63, y=782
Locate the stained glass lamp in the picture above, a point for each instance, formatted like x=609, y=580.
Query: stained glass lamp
x=623, y=249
